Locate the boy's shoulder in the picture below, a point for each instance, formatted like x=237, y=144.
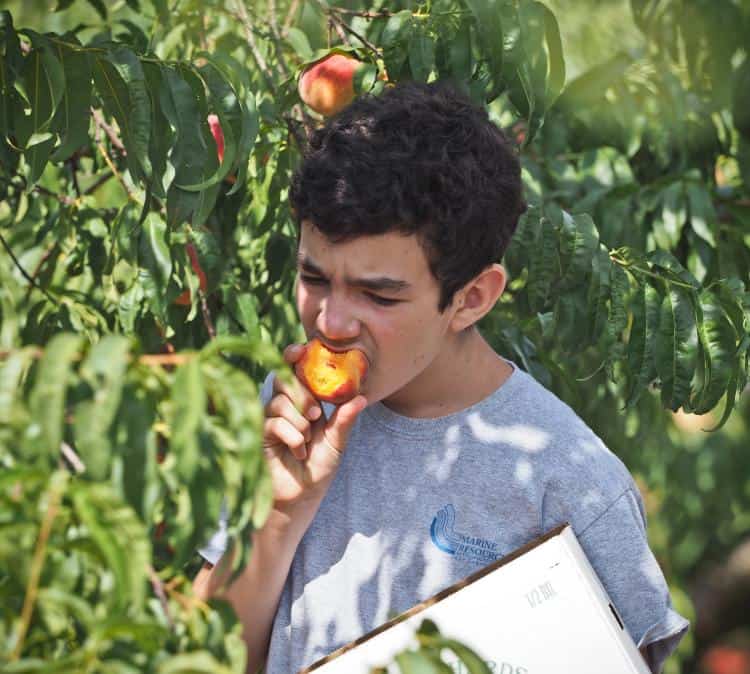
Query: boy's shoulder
x=583, y=478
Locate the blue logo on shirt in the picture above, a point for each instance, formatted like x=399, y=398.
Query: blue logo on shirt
x=461, y=546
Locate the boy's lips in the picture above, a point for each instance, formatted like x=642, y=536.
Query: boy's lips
x=339, y=349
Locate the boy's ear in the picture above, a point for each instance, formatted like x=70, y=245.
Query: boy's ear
x=478, y=296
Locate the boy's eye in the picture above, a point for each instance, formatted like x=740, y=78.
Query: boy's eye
x=317, y=281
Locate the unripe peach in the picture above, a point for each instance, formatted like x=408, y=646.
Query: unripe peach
x=218, y=133
x=331, y=376
x=327, y=85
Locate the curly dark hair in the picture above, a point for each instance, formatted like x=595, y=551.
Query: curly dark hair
x=417, y=159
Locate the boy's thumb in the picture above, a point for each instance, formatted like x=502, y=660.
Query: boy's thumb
x=340, y=425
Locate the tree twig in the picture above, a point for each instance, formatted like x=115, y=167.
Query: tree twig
x=73, y=165
x=250, y=37
x=207, y=321
x=100, y=181
x=73, y=459
x=158, y=587
x=383, y=13
x=345, y=26
x=37, y=563
x=289, y=17
x=113, y=137
x=149, y=359
x=40, y=264
x=290, y=122
x=24, y=273
x=64, y=199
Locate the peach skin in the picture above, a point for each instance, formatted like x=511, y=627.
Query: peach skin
x=331, y=376
x=327, y=85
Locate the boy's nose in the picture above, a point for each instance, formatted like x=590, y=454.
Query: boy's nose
x=335, y=320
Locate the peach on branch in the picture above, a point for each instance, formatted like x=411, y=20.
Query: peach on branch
x=331, y=376
x=218, y=133
x=327, y=85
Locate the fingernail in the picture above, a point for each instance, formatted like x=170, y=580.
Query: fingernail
x=313, y=412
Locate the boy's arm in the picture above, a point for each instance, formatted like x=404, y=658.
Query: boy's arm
x=303, y=450
x=255, y=593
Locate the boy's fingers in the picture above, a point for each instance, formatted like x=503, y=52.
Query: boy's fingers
x=293, y=353
x=340, y=425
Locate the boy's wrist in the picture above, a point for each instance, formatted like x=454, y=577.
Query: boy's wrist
x=286, y=521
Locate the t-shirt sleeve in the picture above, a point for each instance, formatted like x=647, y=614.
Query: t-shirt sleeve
x=617, y=547
x=217, y=544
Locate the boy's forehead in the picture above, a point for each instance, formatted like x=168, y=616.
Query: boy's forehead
x=392, y=254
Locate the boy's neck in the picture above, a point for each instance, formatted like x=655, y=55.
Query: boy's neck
x=460, y=376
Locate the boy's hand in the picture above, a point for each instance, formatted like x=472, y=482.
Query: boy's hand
x=302, y=447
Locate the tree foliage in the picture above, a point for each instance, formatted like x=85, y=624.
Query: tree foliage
x=126, y=414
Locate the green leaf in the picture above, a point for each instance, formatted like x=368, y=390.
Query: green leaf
x=43, y=82
x=162, y=135
x=702, y=211
x=12, y=372
x=254, y=349
x=189, y=401
x=543, y=266
x=197, y=662
x=579, y=241
x=134, y=450
x=599, y=292
x=234, y=123
x=278, y=256
x=100, y=7
x=189, y=152
x=250, y=127
x=587, y=89
x=133, y=112
x=298, y=41
x=674, y=214
x=571, y=330
x=120, y=539
x=459, y=54
x=618, y=315
x=489, y=28
x=662, y=259
x=414, y=662
x=643, y=334
x=71, y=604
x=718, y=341
x=146, y=636
x=472, y=661
x=676, y=346
x=555, y=59
x=421, y=55
x=37, y=157
x=47, y=400
x=73, y=114
x=155, y=260
x=104, y=370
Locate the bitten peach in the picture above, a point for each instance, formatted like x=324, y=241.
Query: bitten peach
x=327, y=85
x=331, y=376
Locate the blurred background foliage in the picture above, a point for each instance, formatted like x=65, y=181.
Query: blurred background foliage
x=124, y=413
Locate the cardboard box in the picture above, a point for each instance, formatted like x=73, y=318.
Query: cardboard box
x=538, y=610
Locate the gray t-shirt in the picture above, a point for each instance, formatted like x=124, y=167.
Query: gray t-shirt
x=419, y=504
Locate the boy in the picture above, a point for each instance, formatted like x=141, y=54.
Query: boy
x=451, y=456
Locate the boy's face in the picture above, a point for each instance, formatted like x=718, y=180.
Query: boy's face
x=376, y=294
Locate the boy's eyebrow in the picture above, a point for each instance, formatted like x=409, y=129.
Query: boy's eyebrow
x=378, y=283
